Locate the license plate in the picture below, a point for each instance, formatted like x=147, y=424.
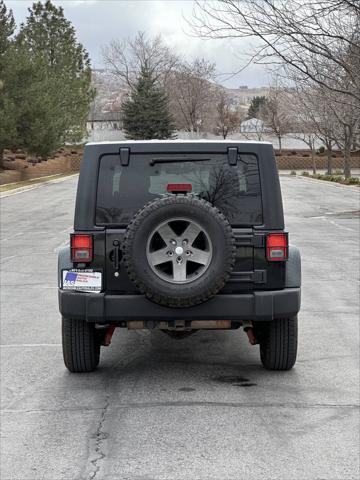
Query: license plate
x=82, y=280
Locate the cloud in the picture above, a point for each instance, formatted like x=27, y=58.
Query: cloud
x=97, y=22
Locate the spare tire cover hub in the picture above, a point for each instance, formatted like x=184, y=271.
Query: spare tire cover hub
x=179, y=250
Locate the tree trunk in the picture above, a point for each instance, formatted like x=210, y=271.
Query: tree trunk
x=347, y=160
x=348, y=134
x=329, y=158
x=329, y=162
x=279, y=139
x=313, y=161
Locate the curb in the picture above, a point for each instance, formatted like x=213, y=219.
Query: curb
x=354, y=188
x=26, y=188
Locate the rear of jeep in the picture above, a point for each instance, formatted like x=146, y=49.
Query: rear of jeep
x=179, y=236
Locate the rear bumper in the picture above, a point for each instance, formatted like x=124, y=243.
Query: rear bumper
x=101, y=308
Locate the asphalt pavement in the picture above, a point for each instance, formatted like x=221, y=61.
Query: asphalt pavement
x=200, y=408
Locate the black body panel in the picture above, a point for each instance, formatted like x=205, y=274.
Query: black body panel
x=252, y=271
x=85, y=210
x=104, y=308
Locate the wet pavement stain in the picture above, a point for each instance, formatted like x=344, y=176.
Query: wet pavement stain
x=248, y=384
x=187, y=389
x=235, y=381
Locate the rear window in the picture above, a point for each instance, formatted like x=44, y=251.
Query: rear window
x=123, y=190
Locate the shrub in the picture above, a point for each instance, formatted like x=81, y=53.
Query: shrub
x=321, y=149
x=292, y=172
x=332, y=178
x=352, y=181
x=337, y=178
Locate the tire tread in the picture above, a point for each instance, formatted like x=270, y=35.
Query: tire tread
x=278, y=346
x=81, y=347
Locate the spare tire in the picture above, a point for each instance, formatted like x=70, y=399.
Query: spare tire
x=179, y=250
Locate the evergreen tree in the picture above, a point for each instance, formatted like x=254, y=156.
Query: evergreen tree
x=7, y=28
x=256, y=104
x=146, y=114
x=7, y=106
x=59, y=93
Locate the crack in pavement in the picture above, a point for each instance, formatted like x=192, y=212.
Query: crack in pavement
x=100, y=436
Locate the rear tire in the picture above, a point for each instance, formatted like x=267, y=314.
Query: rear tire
x=278, y=343
x=81, y=345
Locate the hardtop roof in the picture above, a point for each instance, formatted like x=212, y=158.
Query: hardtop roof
x=181, y=141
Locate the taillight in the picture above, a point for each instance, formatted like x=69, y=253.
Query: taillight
x=81, y=247
x=179, y=187
x=277, y=247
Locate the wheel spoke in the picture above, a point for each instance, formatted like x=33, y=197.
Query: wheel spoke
x=178, y=249
x=179, y=271
x=200, y=256
x=166, y=233
x=159, y=256
x=191, y=232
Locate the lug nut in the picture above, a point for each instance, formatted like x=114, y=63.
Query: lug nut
x=173, y=242
x=188, y=253
x=184, y=242
x=170, y=253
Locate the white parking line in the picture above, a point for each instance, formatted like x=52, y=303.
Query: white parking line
x=31, y=345
x=12, y=237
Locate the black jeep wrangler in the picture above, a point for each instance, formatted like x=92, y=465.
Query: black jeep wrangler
x=179, y=236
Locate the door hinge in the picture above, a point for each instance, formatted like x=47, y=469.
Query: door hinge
x=257, y=276
x=124, y=156
x=232, y=155
x=256, y=240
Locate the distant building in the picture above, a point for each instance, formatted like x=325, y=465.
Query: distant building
x=243, y=95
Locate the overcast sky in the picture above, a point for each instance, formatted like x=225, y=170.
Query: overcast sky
x=99, y=21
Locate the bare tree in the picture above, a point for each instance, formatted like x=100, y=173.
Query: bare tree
x=227, y=118
x=320, y=40
x=313, y=118
x=345, y=135
x=275, y=114
x=191, y=94
x=127, y=58
x=253, y=127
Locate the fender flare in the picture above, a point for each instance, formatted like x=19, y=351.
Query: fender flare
x=293, y=268
x=64, y=261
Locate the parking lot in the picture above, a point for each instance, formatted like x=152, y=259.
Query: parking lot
x=200, y=408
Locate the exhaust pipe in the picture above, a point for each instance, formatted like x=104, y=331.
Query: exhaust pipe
x=249, y=330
